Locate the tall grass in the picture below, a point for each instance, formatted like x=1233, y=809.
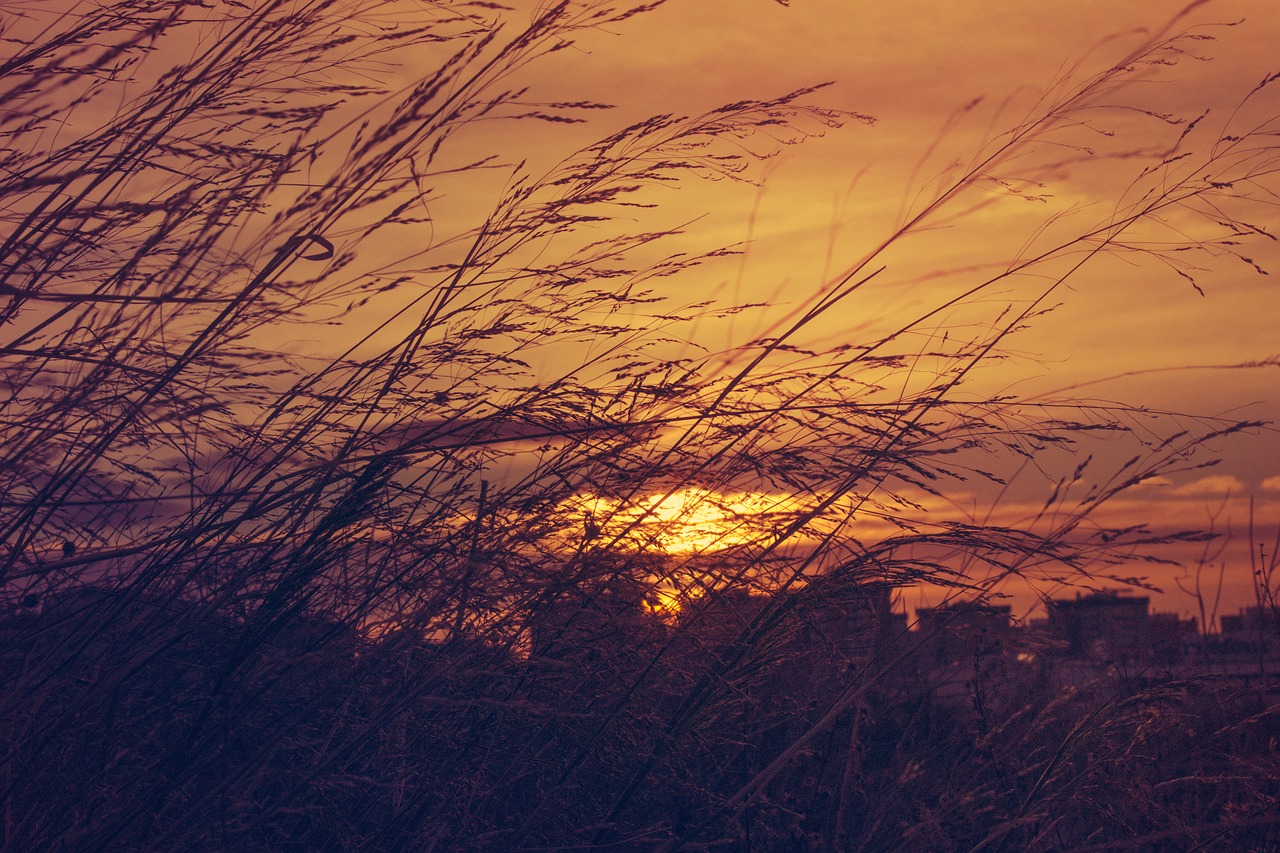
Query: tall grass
x=403, y=582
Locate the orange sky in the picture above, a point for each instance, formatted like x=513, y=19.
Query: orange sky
x=911, y=64
x=1134, y=332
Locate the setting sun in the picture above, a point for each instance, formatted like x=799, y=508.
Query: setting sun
x=691, y=520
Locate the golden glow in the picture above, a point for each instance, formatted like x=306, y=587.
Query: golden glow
x=689, y=521
x=663, y=600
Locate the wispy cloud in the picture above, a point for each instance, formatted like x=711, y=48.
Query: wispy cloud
x=1218, y=485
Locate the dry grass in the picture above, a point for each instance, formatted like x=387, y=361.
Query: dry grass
x=387, y=593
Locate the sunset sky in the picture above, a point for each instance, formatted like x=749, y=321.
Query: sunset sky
x=926, y=89
x=1126, y=330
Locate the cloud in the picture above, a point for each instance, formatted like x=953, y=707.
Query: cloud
x=1271, y=484
x=1218, y=485
x=1156, y=481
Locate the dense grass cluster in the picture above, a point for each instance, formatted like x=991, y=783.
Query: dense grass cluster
x=309, y=540
x=322, y=740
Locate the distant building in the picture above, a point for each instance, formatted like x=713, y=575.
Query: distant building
x=718, y=618
x=1105, y=627
x=964, y=632
x=848, y=620
x=1170, y=636
x=1252, y=624
x=595, y=619
x=811, y=643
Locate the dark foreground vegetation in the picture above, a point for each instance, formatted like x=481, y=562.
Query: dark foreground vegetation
x=828, y=731
x=406, y=583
